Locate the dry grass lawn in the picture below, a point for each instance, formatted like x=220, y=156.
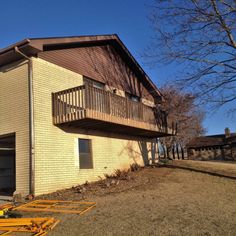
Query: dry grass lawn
x=156, y=201
x=223, y=168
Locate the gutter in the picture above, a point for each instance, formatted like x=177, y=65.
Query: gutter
x=12, y=47
x=31, y=123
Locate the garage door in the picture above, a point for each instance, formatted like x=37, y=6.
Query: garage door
x=7, y=165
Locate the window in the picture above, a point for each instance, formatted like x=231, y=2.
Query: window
x=85, y=154
x=132, y=97
x=93, y=83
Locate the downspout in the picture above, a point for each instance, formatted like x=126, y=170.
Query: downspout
x=31, y=123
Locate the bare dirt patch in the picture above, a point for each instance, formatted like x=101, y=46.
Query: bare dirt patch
x=154, y=201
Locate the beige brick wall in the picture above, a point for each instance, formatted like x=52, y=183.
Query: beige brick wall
x=14, y=117
x=56, y=150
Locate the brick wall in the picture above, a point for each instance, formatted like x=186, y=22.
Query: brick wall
x=56, y=149
x=14, y=117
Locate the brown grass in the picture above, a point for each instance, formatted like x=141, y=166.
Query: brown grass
x=155, y=201
x=217, y=167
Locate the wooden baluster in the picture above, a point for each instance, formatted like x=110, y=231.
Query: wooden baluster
x=126, y=108
x=102, y=101
x=79, y=97
x=76, y=104
x=95, y=102
x=62, y=105
x=59, y=107
x=73, y=101
x=99, y=100
x=56, y=107
x=87, y=97
x=66, y=105
x=109, y=104
x=64, y=100
x=80, y=94
x=92, y=99
x=71, y=105
x=82, y=97
x=142, y=111
x=75, y=108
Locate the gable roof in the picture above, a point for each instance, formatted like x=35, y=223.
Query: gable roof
x=207, y=141
x=33, y=46
x=211, y=141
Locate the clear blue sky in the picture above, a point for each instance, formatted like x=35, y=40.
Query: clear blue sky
x=44, y=18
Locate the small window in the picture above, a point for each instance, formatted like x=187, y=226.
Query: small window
x=93, y=83
x=85, y=154
x=132, y=97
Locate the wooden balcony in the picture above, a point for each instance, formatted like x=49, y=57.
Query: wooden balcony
x=87, y=107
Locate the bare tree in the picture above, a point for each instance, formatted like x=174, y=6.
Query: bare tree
x=198, y=35
x=181, y=108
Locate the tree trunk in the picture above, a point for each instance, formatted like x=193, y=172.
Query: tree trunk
x=182, y=151
x=164, y=151
x=177, y=151
x=173, y=152
x=168, y=153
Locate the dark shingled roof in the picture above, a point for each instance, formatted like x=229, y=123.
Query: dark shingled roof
x=212, y=140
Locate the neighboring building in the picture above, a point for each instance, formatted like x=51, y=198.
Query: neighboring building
x=71, y=110
x=213, y=147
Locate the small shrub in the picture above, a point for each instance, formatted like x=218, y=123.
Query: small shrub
x=135, y=167
x=109, y=176
x=164, y=161
x=122, y=174
x=119, y=174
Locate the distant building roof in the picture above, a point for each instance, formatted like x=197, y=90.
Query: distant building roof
x=212, y=141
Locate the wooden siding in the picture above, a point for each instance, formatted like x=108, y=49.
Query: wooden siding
x=96, y=108
x=101, y=63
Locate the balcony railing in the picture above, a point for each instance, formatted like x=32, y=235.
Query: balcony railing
x=86, y=102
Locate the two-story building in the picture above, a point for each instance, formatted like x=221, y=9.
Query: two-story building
x=71, y=110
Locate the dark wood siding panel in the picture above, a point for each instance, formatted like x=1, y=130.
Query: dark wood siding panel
x=101, y=63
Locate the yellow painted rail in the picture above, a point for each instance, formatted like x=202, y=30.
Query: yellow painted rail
x=75, y=207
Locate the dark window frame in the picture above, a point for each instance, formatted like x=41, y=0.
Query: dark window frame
x=93, y=83
x=85, y=158
x=133, y=97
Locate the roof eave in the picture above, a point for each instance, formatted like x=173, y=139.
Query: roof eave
x=11, y=47
x=31, y=46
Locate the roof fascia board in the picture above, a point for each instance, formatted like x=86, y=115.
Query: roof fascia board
x=11, y=47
